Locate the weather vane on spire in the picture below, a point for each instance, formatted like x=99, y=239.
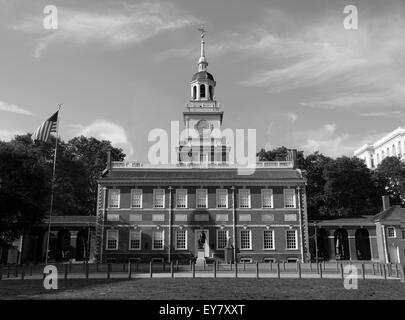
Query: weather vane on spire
x=202, y=30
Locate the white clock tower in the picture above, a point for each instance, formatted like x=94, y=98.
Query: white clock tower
x=203, y=119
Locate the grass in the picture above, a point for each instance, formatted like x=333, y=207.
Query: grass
x=200, y=289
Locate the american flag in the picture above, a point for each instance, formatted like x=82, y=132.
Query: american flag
x=45, y=129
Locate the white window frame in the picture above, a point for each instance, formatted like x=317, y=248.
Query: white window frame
x=241, y=191
x=154, y=198
x=185, y=240
x=218, y=193
x=140, y=198
x=131, y=231
x=107, y=237
x=153, y=240
x=177, y=199
x=240, y=240
x=226, y=238
x=286, y=192
x=271, y=197
x=296, y=239
x=200, y=191
x=388, y=232
x=110, y=193
x=272, y=239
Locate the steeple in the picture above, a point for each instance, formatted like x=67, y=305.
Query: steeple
x=202, y=62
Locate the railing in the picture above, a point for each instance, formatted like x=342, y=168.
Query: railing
x=200, y=165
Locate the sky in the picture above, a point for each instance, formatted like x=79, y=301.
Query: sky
x=288, y=69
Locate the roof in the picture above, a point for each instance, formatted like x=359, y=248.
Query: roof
x=197, y=175
x=202, y=75
x=394, y=213
x=344, y=221
x=71, y=220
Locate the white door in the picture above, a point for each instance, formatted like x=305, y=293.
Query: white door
x=393, y=254
x=201, y=241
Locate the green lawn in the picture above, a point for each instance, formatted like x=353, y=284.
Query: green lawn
x=201, y=288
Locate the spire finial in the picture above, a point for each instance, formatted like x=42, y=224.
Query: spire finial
x=202, y=63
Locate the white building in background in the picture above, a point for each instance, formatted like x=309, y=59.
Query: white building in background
x=392, y=144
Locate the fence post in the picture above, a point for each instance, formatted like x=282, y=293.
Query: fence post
x=278, y=270
x=299, y=269
x=191, y=265
x=193, y=269
x=271, y=265
x=129, y=270
x=108, y=270
x=317, y=268
x=171, y=269
x=283, y=265
x=22, y=272
x=402, y=273
x=257, y=269
x=373, y=269
x=363, y=271
x=324, y=265
x=66, y=270
x=164, y=266
x=70, y=265
x=320, y=271
x=244, y=265
x=16, y=271
x=1, y=272
x=236, y=269
x=150, y=270
x=342, y=271
x=204, y=265
x=215, y=269
x=30, y=268
x=396, y=270
x=385, y=271
x=8, y=271
x=87, y=270
x=177, y=265
x=310, y=266
x=123, y=267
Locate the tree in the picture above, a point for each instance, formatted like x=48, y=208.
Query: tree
x=93, y=154
x=390, y=176
x=279, y=154
x=314, y=166
x=24, y=186
x=349, y=188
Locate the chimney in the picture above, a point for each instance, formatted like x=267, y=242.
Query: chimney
x=386, y=202
x=108, y=159
x=292, y=156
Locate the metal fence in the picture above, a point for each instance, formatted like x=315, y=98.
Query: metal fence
x=175, y=269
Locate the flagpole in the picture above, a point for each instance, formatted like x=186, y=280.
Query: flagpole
x=52, y=185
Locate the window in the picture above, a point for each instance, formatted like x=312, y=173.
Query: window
x=268, y=239
x=245, y=217
x=221, y=217
x=136, y=198
x=201, y=195
x=378, y=158
x=399, y=148
x=382, y=155
x=289, y=198
x=291, y=239
x=181, y=240
x=245, y=240
x=222, y=198
x=134, y=239
x=268, y=217
x=267, y=198
x=394, y=152
x=202, y=91
x=181, y=198
x=391, y=232
x=194, y=92
x=247, y=260
x=112, y=239
x=180, y=217
x=290, y=217
x=222, y=239
x=403, y=233
x=158, y=198
x=244, y=198
x=114, y=198
x=157, y=242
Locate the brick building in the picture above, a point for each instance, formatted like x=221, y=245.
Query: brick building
x=202, y=204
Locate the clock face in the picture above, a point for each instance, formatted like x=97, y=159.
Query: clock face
x=203, y=127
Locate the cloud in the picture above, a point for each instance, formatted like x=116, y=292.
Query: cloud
x=129, y=24
x=4, y=106
x=106, y=130
x=7, y=135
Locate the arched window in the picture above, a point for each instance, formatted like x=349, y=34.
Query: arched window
x=382, y=155
x=399, y=148
x=378, y=158
x=394, y=152
x=210, y=93
x=202, y=91
x=388, y=152
x=194, y=92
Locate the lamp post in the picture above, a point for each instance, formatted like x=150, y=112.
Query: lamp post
x=316, y=242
